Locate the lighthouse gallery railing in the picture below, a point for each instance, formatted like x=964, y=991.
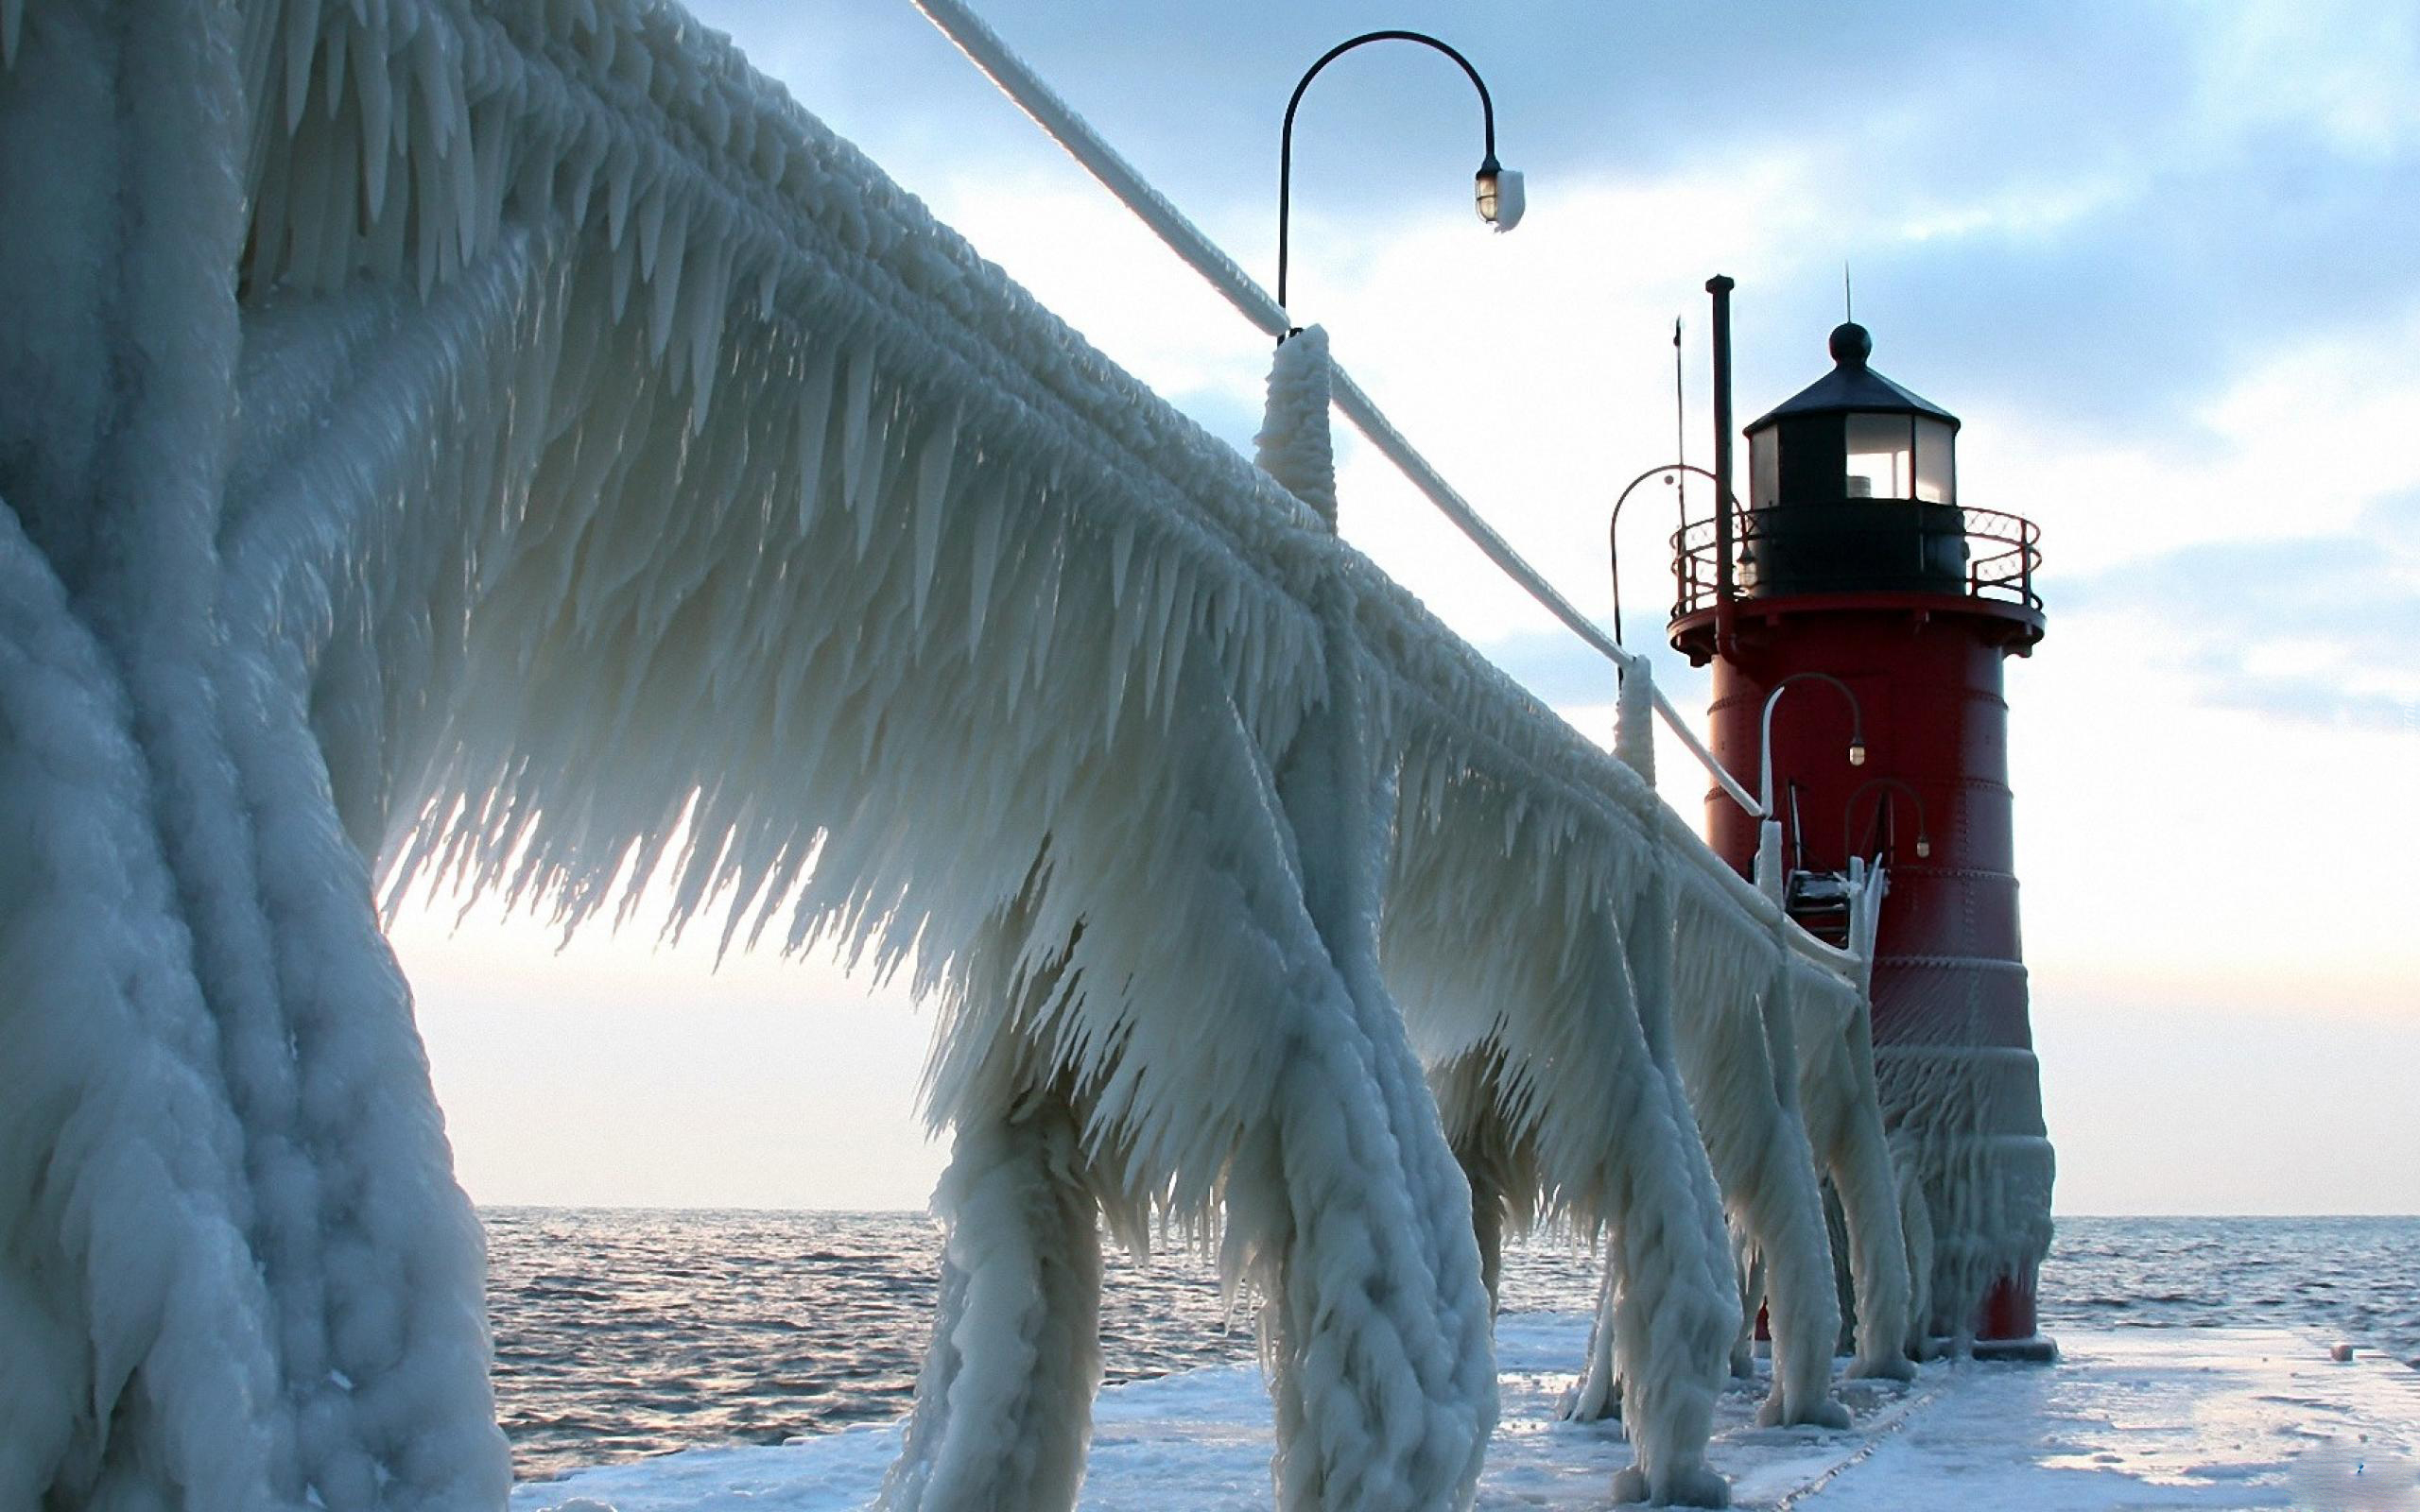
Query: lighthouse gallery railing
x=1985, y=554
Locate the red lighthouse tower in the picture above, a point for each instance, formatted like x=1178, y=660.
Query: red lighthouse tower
x=1855, y=560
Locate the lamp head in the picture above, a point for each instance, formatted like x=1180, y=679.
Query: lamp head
x=1499, y=195
x=1923, y=848
x=1857, y=753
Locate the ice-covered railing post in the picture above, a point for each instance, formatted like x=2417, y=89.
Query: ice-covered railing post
x=1845, y=1122
x=1003, y=1406
x=238, y=1272
x=1294, y=445
x=1336, y=785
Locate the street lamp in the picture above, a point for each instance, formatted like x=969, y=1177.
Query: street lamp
x=1764, y=739
x=1848, y=811
x=1769, y=877
x=1670, y=471
x=1496, y=188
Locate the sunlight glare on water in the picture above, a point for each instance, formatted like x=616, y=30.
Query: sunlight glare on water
x=626, y=1332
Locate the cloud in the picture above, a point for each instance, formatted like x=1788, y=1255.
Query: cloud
x=2130, y=314
x=2102, y=214
x=2317, y=630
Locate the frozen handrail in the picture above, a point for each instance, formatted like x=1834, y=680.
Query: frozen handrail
x=984, y=48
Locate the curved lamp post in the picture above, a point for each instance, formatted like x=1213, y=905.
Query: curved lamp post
x=1765, y=737
x=1612, y=528
x=1768, y=874
x=1848, y=810
x=1496, y=189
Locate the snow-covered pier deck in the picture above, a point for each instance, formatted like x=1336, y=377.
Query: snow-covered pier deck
x=2130, y=1418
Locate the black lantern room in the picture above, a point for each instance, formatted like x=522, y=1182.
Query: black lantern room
x=1853, y=488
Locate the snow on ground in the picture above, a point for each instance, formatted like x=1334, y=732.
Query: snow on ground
x=2129, y=1419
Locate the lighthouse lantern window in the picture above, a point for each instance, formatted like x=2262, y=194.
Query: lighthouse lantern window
x=1881, y=456
x=1936, y=461
x=1764, y=468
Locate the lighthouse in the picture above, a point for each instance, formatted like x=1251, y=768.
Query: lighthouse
x=1862, y=612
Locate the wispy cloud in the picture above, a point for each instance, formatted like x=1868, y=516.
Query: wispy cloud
x=2319, y=629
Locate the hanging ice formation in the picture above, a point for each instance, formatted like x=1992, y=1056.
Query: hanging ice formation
x=498, y=442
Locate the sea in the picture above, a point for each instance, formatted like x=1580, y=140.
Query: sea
x=623, y=1333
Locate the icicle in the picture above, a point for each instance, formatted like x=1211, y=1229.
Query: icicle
x=1179, y=643
x=583, y=160
x=814, y=424
x=1047, y=552
x=375, y=90
x=269, y=223
x=1121, y=551
x=856, y=413
x=332, y=87
x=340, y=215
x=1158, y=630
x=652, y=206
x=621, y=173
x=663, y=275
x=490, y=132
x=983, y=559
x=432, y=70
x=427, y=166
x=1113, y=693
x=625, y=274
x=709, y=312
x=932, y=482
x=307, y=208
x=875, y=455
x=301, y=44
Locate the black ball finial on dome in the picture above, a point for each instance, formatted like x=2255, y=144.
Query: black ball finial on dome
x=1852, y=344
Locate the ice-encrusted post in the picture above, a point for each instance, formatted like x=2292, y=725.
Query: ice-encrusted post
x=1659, y=1351
x=1771, y=880
x=1597, y=1392
x=1737, y=1044
x=1295, y=445
x=1537, y=966
x=1003, y=1411
x=1371, y=1413
x=1003, y=1407
x=1667, y=1305
x=301, y=1213
x=1635, y=720
x=1855, y=1151
x=1784, y=1214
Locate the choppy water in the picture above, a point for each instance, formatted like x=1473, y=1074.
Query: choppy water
x=620, y=1333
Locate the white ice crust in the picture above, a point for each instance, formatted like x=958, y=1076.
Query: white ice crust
x=514, y=446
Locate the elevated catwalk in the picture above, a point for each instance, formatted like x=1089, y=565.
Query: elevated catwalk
x=2131, y=1419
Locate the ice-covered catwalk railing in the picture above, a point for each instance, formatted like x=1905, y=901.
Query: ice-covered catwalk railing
x=507, y=442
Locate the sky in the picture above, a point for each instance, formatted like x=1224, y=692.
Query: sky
x=2163, y=260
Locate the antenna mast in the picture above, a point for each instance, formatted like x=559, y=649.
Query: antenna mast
x=1680, y=421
